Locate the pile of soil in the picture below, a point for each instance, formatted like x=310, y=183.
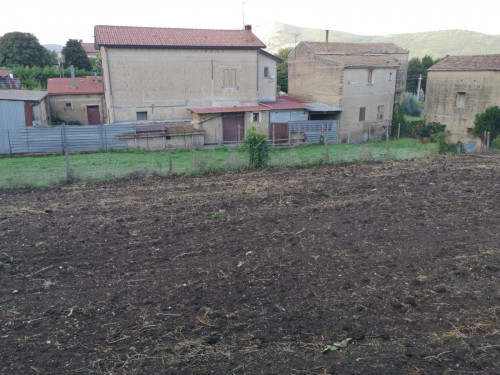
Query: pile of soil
x=375, y=268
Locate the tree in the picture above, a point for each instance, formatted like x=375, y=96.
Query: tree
x=489, y=121
x=282, y=69
x=415, y=68
x=23, y=49
x=75, y=55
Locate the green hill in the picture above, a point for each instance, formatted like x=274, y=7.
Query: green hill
x=277, y=35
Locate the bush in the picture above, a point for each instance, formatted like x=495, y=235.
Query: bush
x=489, y=121
x=429, y=130
x=258, y=149
x=495, y=144
x=448, y=148
x=412, y=106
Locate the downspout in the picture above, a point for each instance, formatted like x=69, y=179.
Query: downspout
x=110, y=116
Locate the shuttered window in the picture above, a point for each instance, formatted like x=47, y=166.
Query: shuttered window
x=229, y=78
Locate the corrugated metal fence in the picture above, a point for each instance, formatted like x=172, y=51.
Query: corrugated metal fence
x=78, y=138
x=314, y=129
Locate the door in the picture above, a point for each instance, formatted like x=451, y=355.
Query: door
x=230, y=126
x=279, y=132
x=93, y=115
x=28, y=113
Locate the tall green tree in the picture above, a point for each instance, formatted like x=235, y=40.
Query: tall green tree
x=489, y=121
x=282, y=69
x=75, y=55
x=23, y=49
x=415, y=68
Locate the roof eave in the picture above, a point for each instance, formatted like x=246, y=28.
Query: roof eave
x=178, y=47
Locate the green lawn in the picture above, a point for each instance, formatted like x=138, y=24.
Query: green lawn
x=51, y=169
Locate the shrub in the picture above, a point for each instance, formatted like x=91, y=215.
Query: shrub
x=412, y=106
x=496, y=143
x=430, y=129
x=258, y=149
x=448, y=148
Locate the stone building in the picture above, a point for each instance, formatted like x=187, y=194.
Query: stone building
x=364, y=80
x=458, y=88
x=221, y=80
x=81, y=102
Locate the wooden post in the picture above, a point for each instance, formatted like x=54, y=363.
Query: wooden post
x=69, y=176
x=100, y=137
x=106, y=140
x=488, y=141
x=387, y=139
x=136, y=142
x=170, y=166
x=399, y=129
x=289, y=133
x=484, y=139
x=298, y=133
x=325, y=139
x=10, y=146
x=164, y=138
x=274, y=136
x=192, y=141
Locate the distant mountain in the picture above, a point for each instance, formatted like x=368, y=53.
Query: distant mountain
x=53, y=47
x=278, y=35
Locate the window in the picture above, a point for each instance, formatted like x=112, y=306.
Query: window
x=370, y=76
x=266, y=72
x=460, y=99
x=256, y=117
x=380, y=112
x=362, y=111
x=68, y=107
x=390, y=76
x=469, y=130
x=142, y=116
x=229, y=78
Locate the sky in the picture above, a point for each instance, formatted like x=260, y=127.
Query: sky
x=56, y=21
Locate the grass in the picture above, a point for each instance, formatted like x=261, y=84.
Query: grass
x=50, y=170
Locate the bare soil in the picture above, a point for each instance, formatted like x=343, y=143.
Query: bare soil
x=259, y=272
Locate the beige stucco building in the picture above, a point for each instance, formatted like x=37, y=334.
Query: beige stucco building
x=81, y=101
x=221, y=80
x=362, y=79
x=458, y=88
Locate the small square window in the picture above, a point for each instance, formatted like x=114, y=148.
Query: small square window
x=68, y=107
x=142, y=116
x=362, y=112
x=256, y=117
x=380, y=112
x=266, y=72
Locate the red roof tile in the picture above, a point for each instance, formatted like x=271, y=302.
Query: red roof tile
x=5, y=73
x=357, y=48
x=84, y=85
x=478, y=62
x=285, y=104
x=126, y=36
x=89, y=48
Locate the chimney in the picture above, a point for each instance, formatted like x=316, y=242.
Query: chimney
x=326, y=42
x=248, y=33
x=73, y=79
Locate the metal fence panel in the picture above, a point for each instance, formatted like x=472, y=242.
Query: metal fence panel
x=313, y=129
x=77, y=138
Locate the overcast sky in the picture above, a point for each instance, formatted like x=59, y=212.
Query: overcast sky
x=56, y=21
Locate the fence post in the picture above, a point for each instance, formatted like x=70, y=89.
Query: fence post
x=399, y=129
x=100, y=137
x=488, y=140
x=298, y=133
x=274, y=135
x=238, y=137
x=192, y=141
x=170, y=166
x=10, y=146
x=325, y=139
x=106, y=140
x=387, y=139
x=289, y=133
x=69, y=174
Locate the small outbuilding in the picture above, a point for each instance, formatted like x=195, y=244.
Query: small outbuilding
x=77, y=102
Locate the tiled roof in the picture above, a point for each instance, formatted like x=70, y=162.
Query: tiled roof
x=357, y=48
x=28, y=95
x=4, y=73
x=280, y=104
x=155, y=37
x=478, y=62
x=89, y=48
x=355, y=61
x=84, y=85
